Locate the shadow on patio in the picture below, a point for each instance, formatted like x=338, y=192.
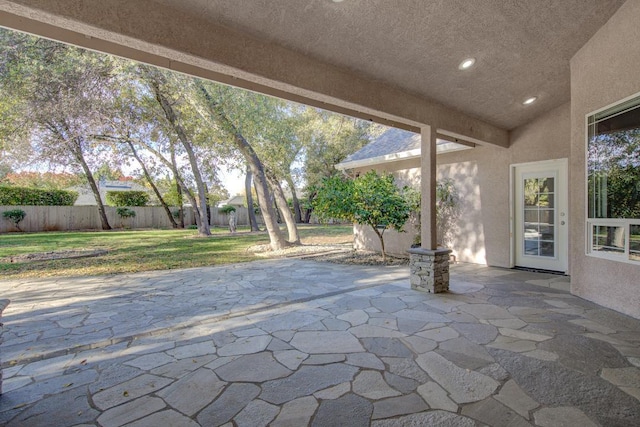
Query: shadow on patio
x=293, y=342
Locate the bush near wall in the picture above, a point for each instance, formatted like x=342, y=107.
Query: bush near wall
x=127, y=198
x=22, y=196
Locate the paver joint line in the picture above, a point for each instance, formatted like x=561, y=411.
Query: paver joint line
x=294, y=343
x=156, y=332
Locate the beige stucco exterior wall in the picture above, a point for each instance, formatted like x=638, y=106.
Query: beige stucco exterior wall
x=482, y=235
x=604, y=71
x=406, y=172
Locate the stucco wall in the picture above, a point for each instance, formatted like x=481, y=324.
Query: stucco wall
x=603, y=72
x=482, y=234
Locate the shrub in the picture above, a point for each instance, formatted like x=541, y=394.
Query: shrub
x=192, y=227
x=127, y=198
x=227, y=209
x=15, y=216
x=14, y=196
x=369, y=199
x=125, y=213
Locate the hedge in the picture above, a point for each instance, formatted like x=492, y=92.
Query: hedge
x=16, y=196
x=227, y=209
x=127, y=198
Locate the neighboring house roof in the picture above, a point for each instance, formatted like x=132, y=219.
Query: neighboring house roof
x=237, y=200
x=393, y=145
x=86, y=197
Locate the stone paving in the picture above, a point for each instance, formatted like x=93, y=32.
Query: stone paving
x=298, y=342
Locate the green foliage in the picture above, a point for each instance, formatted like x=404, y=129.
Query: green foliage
x=227, y=209
x=125, y=213
x=127, y=198
x=192, y=227
x=12, y=196
x=369, y=199
x=170, y=193
x=42, y=180
x=614, y=175
x=447, y=209
x=334, y=199
x=329, y=139
x=15, y=216
x=106, y=172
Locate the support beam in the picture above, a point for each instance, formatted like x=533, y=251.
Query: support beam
x=429, y=266
x=152, y=32
x=428, y=230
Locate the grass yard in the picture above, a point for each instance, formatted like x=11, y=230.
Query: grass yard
x=144, y=250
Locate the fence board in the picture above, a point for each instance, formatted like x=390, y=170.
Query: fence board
x=67, y=218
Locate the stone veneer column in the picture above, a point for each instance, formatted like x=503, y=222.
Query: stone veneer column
x=429, y=269
x=3, y=304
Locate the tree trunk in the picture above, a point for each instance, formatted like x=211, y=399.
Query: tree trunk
x=253, y=221
x=176, y=174
x=153, y=185
x=285, y=212
x=174, y=170
x=268, y=212
x=296, y=203
x=309, y=210
x=380, y=236
x=207, y=207
x=77, y=152
x=170, y=114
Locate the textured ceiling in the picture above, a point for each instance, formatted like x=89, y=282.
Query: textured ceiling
x=522, y=47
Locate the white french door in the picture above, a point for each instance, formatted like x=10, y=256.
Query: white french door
x=541, y=220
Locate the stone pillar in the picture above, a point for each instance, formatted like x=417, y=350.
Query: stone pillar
x=429, y=269
x=3, y=304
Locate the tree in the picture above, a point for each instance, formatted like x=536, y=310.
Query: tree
x=215, y=111
x=45, y=180
x=248, y=188
x=64, y=95
x=106, y=172
x=152, y=184
x=329, y=139
x=369, y=199
x=15, y=216
x=270, y=125
x=157, y=81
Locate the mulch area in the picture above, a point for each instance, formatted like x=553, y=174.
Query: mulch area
x=339, y=254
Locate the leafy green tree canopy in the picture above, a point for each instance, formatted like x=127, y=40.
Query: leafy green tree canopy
x=369, y=199
x=127, y=198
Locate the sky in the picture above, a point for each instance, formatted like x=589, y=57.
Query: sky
x=232, y=180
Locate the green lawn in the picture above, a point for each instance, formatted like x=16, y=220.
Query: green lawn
x=132, y=251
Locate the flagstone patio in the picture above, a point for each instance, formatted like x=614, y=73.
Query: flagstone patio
x=298, y=342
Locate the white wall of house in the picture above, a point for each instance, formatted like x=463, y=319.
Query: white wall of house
x=604, y=71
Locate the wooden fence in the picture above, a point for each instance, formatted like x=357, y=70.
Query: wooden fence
x=65, y=218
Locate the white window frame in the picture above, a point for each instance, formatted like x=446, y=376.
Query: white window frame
x=606, y=222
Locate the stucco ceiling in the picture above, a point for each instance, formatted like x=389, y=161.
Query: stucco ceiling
x=522, y=48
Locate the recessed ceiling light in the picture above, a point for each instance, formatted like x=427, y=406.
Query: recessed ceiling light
x=530, y=101
x=466, y=64
x=337, y=1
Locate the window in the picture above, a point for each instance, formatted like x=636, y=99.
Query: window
x=613, y=182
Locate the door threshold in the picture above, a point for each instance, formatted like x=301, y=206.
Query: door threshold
x=540, y=270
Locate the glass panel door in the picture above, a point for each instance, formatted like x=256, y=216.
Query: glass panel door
x=540, y=221
x=539, y=216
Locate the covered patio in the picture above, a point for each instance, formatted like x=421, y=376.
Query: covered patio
x=296, y=342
